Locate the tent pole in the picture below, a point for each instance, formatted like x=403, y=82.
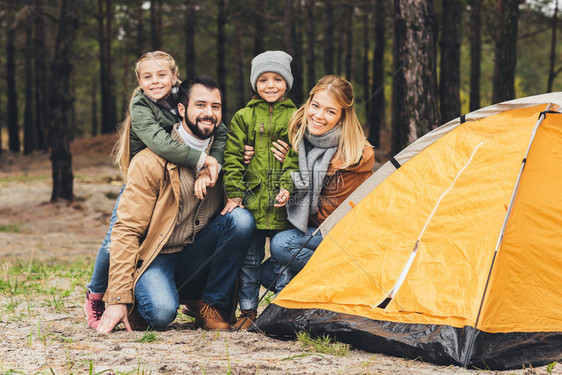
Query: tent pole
x=542, y=116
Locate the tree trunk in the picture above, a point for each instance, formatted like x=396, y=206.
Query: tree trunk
x=140, y=28
x=29, y=129
x=260, y=27
x=348, y=22
x=190, y=18
x=450, y=72
x=311, y=41
x=551, y=72
x=328, y=37
x=156, y=24
x=61, y=102
x=287, y=29
x=377, y=102
x=241, y=82
x=475, y=53
x=108, y=109
x=13, y=127
x=297, y=63
x=365, y=64
x=125, y=91
x=293, y=42
x=414, y=104
x=339, y=46
x=506, y=51
x=41, y=77
x=94, y=103
x=111, y=105
x=221, y=51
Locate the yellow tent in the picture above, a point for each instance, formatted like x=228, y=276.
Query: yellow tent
x=452, y=251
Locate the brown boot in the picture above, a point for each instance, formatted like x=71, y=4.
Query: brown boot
x=246, y=319
x=209, y=318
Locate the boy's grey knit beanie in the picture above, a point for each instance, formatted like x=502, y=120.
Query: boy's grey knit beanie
x=272, y=61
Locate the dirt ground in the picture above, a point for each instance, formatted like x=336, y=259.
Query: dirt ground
x=38, y=338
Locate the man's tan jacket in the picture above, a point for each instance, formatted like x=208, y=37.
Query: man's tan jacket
x=146, y=218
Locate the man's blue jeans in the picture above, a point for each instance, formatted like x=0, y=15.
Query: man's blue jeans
x=285, y=245
x=98, y=281
x=207, y=269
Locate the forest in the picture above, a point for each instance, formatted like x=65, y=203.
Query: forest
x=67, y=67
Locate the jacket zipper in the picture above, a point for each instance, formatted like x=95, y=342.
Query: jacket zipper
x=269, y=164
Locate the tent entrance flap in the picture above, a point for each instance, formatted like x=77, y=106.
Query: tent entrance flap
x=414, y=252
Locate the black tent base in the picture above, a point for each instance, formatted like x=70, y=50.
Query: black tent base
x=440, y=344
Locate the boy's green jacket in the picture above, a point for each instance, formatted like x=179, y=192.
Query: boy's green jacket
x=259, y=124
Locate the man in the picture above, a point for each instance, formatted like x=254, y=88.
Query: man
x=168, y=242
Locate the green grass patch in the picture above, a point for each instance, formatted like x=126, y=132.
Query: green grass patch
x=29, y=278
x=25, y=178
x=148, y=336
x=323, y=344
x=12, y=228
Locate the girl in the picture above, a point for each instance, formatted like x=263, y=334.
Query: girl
x=152, y=114
x=334, y=159
x=263, y=125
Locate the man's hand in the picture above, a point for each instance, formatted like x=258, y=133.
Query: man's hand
x=112, y=316
x=282, y=198
x=280, y=150
x=231, y=204
x=212, y=167
x=200, y=185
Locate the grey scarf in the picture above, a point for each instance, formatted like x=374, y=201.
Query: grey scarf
x=315, y=154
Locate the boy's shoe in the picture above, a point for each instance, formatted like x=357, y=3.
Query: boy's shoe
x=246, y=319
x=94, y=308
x=208, y=317
x=190, y=307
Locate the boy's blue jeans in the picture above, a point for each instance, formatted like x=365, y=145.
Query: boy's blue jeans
x=206, y=269
x=285, y=245
x=253, y=274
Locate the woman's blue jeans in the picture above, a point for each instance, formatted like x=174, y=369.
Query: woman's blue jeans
x=206, y=269
x=286, y=249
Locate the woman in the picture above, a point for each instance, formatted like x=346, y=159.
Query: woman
x=334, y=159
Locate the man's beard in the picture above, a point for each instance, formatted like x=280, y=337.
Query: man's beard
x=197, y=131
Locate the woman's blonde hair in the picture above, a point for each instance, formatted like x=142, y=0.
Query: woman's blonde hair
x=352, y=140
x=122, y=149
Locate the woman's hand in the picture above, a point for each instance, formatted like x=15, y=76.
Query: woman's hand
x=200, y=185
x=112, y=316
x=231, y=204
x=248, y=154
x=282, y=198
x=280, y=150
